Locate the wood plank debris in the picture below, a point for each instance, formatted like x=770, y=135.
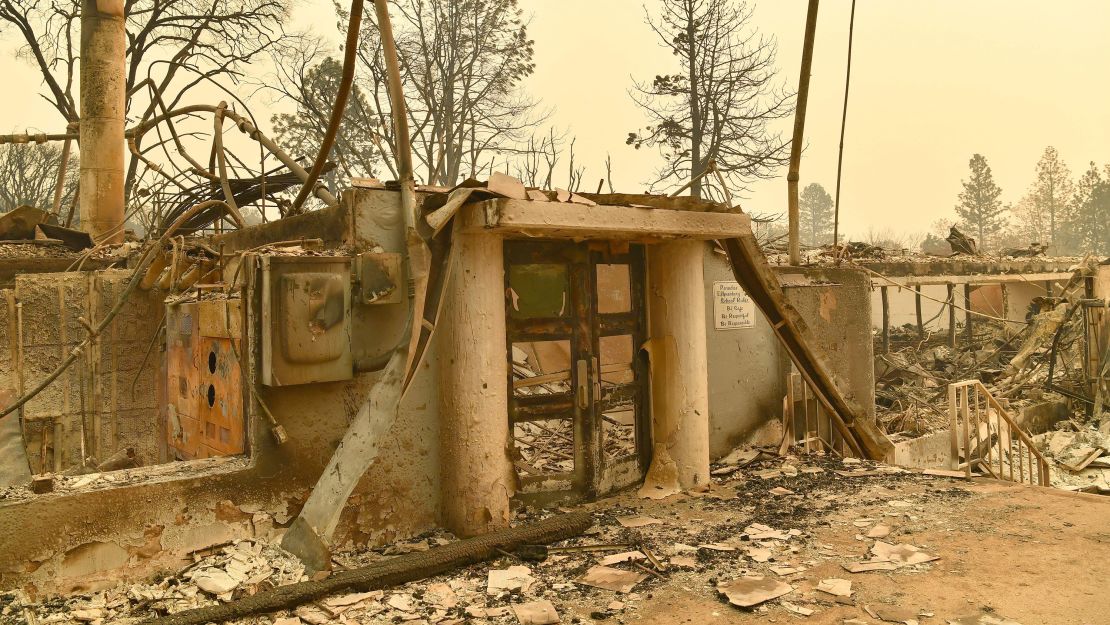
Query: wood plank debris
x=865, y=567
x=608, y=578
x=637, y=521
x=982, y=619
x=748, y=592
x=617, y=558
x=540, y=612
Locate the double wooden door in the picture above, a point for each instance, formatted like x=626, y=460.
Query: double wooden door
x=578, y=384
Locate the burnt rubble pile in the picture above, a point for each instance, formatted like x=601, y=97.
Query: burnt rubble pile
x=750, y=540
x=1021, y=366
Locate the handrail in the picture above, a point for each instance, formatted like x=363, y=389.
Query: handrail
x=996, y=454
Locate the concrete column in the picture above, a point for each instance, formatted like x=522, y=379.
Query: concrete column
x=477, y=476
x=103, y=104
x=679, y=370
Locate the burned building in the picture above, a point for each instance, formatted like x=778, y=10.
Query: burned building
x=344, y=414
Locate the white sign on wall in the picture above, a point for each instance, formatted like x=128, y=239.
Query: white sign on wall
x=732, y=308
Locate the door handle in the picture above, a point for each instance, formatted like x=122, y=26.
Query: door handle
x=582, y=390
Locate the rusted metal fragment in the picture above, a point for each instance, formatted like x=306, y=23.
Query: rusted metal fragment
x=73, y=239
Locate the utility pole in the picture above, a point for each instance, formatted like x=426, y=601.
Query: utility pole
x=799, y=132
x=103, y=104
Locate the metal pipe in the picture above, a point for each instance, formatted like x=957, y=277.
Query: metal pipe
x=350, y=57
x=246, y=127
x=59, y=185
x=799, y=132
x=42, y=137
x=103, y=105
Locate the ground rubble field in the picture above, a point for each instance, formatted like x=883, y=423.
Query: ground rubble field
x=780, y=536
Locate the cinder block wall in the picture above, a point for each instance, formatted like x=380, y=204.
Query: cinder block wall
x=105, y=401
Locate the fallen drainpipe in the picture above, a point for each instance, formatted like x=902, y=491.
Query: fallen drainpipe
x=399, y=570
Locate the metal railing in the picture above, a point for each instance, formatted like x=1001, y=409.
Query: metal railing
x=985, y=438
x=806, y=424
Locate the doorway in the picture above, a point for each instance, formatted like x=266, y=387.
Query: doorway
x=578, y=381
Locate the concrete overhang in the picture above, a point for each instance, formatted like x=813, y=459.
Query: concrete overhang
x=560, y=220
x=971, y=271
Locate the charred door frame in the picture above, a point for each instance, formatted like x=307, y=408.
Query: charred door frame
x=583, y=327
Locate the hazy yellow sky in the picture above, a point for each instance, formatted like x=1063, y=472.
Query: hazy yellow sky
x=932, y=83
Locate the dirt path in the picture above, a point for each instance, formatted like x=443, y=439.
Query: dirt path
x=1035, y=556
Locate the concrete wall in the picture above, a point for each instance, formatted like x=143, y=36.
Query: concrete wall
x=92, y=401
x=748, y=368
x=152, y=519
x=836, y=307
x=986, y=299
x=747, y=378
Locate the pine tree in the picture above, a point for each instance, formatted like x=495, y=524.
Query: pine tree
x=1052, y=196
x=1089, y=224
x=979, y=208
x=816, y=214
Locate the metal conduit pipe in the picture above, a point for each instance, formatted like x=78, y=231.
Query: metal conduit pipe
x=350, y=57
x=246, y=127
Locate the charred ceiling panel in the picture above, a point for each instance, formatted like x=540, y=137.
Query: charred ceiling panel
x=306, y=320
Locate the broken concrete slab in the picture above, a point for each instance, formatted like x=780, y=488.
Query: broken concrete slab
x=836, y=587
x=506, y=185
x=518, y=578
x=878, y=531
x=215, y=582
x=902, y=554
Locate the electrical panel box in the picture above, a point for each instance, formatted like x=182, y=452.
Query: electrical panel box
x=379, y=278
x=204, y=384
x=306, y=320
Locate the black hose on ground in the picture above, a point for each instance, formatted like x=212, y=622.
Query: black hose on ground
x=392, y=572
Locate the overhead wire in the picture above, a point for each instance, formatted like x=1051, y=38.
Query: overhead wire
x=843, y=125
